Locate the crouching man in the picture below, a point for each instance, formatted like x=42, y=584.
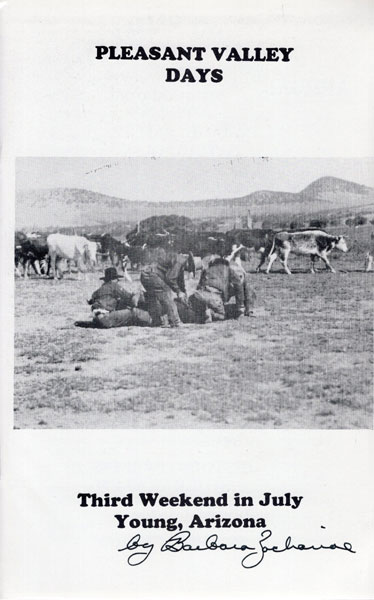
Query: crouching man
x=113, y=306
x=161, y=279
x=218, y=283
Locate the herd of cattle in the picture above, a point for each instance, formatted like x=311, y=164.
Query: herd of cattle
x=45, y=253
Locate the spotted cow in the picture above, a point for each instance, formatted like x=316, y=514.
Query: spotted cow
x=315, y=243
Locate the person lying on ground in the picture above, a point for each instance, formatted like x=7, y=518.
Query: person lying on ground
x=111, y=297
x=140, y=316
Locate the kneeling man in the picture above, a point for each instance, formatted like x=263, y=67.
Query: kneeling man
x=222, y=280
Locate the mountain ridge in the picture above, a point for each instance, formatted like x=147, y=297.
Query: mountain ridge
x=45, y=207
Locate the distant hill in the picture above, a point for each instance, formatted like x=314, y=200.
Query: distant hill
x=70, y=207
x=332, y=185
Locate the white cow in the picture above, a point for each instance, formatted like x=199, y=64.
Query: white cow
x=313, y=242
x=70, y=247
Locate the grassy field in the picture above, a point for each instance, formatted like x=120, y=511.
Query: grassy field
x=305, y=360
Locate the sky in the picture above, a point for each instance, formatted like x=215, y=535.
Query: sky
x=184, y=179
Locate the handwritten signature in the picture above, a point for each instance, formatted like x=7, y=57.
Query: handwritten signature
x=253, y=555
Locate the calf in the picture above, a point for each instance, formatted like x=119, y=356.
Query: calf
x=315, y=243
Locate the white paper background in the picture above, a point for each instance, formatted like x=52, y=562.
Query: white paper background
x=59, y=101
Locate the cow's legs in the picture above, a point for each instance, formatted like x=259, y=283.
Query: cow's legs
x=312, y=258
x=125, y=264
x=368, y=262
x=113, y=258
x=262, y=260
x=272, y=258
x=81, y=265
x=53, y=264
x=43, y=266
x=26, y=265
x=323, y=255
x=36, y=266
x=284, y=254
x=48, y=259
x=16, y=269
x=80, y=268
x=58, y=270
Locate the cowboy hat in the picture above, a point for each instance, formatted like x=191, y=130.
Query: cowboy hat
x=110, y=274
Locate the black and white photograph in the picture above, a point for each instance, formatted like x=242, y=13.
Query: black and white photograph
x=186, y=351
x=194, y=293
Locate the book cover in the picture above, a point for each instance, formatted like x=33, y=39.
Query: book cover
x=187, y=209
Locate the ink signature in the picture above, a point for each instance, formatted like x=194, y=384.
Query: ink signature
x=253, y=555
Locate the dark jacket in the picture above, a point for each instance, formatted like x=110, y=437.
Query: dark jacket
x=230, y=280
x=169, y=267
x=217, y=276
x=111, y=296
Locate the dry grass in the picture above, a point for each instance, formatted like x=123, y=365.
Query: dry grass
x=304, y=362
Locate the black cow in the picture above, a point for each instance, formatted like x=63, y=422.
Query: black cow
x=19, y=238
x=199, y=243
x=137, y=256
x=31, y=250
x=97, y=237
x=110, y=248
x=140, y=245
x=152, y=239
x=193, y=244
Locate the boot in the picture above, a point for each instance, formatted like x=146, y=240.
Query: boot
x=208, y=316
x=164, y=322
x=176, y=323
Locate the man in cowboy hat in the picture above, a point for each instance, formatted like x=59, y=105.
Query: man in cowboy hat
x=113, y=306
